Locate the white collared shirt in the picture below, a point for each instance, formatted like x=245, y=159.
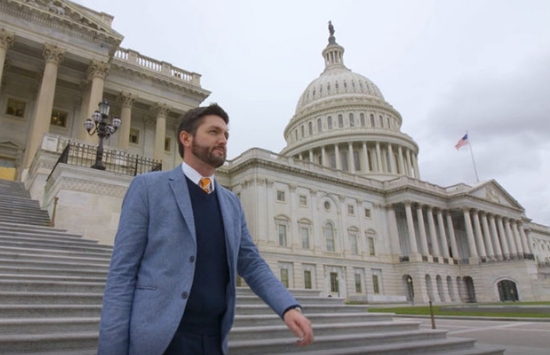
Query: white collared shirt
x=194, y=176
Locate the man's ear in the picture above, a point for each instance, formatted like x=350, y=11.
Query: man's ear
x=185, y=138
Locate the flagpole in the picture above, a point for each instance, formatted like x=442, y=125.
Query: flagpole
x=473, y=160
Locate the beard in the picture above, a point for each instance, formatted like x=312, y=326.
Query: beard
x=207, y=155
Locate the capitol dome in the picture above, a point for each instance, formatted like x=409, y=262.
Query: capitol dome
x=343, y=122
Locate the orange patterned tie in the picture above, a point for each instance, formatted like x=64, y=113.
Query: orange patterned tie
x=205, y=184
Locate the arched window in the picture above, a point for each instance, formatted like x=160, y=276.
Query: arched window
x=372, y=120
x=329, y=122
x=340, y=121
x=310, y=128
x=351, y=120
x=356, y=161
x=329, y=236
x=362, y=118
x=332, y=159
x=302, y=130
x=319, y=125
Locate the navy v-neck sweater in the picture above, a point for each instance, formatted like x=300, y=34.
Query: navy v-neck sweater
x=207, y=301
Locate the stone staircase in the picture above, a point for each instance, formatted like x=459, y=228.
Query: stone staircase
x=51, y=286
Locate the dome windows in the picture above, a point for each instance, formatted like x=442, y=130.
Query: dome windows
x=351, y=120
x=319, y=125
x=329, y=122
x=340, y=121
x=328, y=86
x=362, y=118
x=310, y=128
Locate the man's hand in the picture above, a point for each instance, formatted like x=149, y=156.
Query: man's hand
x=300, y=326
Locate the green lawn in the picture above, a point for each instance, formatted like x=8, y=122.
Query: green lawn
x=439, y=310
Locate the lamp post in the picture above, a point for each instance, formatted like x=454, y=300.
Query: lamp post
x=98, y=124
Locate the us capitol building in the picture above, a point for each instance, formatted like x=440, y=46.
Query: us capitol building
x=341, y=209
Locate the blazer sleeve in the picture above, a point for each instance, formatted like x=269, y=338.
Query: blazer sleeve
x=258, y=275
x=130, y=243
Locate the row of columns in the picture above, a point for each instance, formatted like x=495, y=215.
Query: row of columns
x=489, y=236
x=92, y=94
x=384, y=158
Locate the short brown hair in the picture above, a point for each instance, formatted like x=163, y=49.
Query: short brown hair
x=193, y=119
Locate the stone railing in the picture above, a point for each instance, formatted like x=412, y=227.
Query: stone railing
x=133, y=57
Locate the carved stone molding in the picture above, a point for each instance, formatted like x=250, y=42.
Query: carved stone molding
x=126, y=99
x=6, y=39
x=85, y=85
x=92, y=187
x=98, y=69
x=161, y=109
x=53, y=53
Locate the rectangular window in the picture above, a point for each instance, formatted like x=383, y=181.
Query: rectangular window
x=134, y=136
x=367, y=212
x=351, y=210
x=334, y=282
x=372, y=250
x=358, y=286
x=303, y=200
x=167, y=144
x=282, y=235
x=281, y=196
x=304, y=232
x=15, y=108
x=307, y=279
x=375, y=284
x=353, y=244
x=284, y=277
x=59, y=118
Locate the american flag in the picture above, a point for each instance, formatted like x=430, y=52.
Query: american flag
x=462, y=142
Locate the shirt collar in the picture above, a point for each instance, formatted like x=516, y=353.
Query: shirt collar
x=194, y=175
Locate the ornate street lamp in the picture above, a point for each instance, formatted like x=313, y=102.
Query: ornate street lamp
x=103, y=129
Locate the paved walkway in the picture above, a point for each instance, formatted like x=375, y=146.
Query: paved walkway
x=518, y=337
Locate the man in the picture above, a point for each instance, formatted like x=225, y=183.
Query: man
x=181, y=241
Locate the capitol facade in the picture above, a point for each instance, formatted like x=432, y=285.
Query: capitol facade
x=341, y=209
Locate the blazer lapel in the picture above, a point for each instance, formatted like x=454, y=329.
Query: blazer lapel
x=178, y=184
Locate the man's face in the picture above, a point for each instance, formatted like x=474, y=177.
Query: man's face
x=210, y=141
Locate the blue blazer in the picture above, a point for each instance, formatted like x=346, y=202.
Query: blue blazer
x=151, y=269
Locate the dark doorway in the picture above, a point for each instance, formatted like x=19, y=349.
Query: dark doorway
x=507, y=291
x=470, y=290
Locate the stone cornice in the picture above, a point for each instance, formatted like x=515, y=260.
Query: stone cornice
x=172, y=83
x=65, y=19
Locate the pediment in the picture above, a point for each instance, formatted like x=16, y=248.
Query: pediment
x=75, y=16
x=493, y=192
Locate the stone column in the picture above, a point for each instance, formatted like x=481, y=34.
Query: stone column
x=81, y=132
x=351, y=161
x=323, y=156
x=422, y=230
x=401, y=162
x=496, y=243
x=525, y=239
x=161, y=110
x=452, y=238
x=44, y=104
x=433, y=233
x=443, y=235
x=409, y=164
x=394, y=233
x=6, y=41
x=487, y=236
x=126, y=100
x=415, y=166
x=503, y=238
x=337, y=157
x=379, y=157
x=470, y=233
x=510, y=237
x=393, y=167
x=366, y=157
x=517, y=238
x=410, y=226
x=97, y=71
x=479, y=236
x=311, y=156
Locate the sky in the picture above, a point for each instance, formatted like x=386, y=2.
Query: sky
x=449, y=67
